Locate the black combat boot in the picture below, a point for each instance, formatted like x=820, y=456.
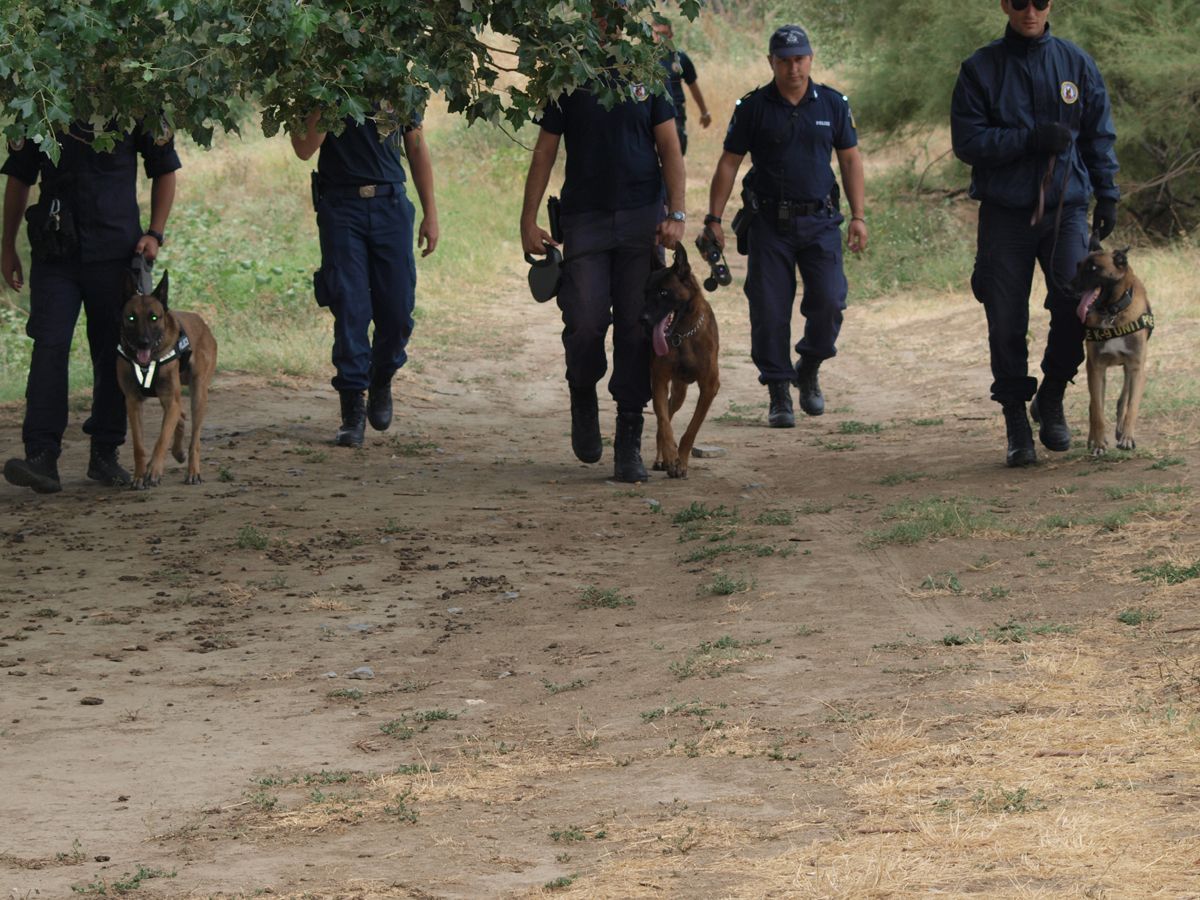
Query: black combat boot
x=1020, y=436
x=585, y=424
x=812, y=401
x=379, y=402
x=104, y=468
x=354, y=419
x=780, y=415
x=627, y=448
x=1047, y=411
x=37, y=470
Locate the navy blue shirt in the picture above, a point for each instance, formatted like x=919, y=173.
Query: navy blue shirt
x=791, y=147
x=99, y=188
x=680, y=71
x=612, y=160
x=1003, y=91
x=357, y=155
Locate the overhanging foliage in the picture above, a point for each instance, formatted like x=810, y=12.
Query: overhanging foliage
x=202, y=63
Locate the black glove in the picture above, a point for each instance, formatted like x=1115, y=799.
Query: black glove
x=1104, y=217
x=1050, y=137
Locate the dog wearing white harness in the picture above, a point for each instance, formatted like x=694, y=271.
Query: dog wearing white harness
x=159, y=351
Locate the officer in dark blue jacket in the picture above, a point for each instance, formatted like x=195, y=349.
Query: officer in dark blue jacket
x=84, y=230
x=612, y=221
x=368, y=271
x=680, y=71
x=1031, y=116
x=791, y=128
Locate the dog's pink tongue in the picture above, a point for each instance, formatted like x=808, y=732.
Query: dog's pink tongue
x=1086, y=302
x=659, y=338
x=143, y=357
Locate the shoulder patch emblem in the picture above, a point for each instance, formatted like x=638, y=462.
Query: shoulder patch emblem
x=15, y=146
x=638, y=91
x=1069, y=92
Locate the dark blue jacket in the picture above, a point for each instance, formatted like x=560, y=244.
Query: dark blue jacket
x=1004, y=90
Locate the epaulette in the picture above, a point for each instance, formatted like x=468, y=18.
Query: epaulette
x=750, y=93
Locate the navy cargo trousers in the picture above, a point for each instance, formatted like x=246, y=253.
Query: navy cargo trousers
x=608, y=257
x=1008, y=248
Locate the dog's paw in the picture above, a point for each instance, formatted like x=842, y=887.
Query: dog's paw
x=138, y=484
x=1126, y=442
x=659, y=466
x=193, y=479
x=677, y=471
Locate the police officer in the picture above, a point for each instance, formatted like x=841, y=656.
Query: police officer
x=368, y=272
x=1031, y=116
x=680, y=71
x=83, y=232
x=612, y=220
x=791, y=128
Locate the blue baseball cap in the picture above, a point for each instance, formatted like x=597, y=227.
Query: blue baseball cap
x=790, y=40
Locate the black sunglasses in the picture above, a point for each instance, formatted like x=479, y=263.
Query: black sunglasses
x=1019, y=5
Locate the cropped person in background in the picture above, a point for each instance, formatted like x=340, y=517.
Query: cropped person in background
x=680, y=71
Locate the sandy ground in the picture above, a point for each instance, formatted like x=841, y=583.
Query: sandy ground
x=179, y=714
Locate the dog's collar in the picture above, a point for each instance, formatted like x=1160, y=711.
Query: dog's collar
x=677, y=339
x=145, y=375
x=1120, y=306
x=1144, y=321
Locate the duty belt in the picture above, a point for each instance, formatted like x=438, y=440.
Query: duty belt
x=785, y=209
x=360, y=191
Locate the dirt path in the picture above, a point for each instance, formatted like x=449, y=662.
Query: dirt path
x=649, y=735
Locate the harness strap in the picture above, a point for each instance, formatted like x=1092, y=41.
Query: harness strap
x=1144, y=321
x=146, y=375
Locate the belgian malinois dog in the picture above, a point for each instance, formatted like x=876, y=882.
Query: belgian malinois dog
x=160, y=350
x=683, y=332
x=1117, y=322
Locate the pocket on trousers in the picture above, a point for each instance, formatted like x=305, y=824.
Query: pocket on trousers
x=325, y=286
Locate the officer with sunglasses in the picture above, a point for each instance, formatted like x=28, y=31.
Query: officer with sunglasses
x=1032, y=118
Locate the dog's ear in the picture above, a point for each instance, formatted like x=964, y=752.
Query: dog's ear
x=160, y=292
x=681, y=267
x=1121, y=258
x=1094, y=244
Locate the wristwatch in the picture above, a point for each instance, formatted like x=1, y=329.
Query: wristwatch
x=677, y=215
x=157, y=235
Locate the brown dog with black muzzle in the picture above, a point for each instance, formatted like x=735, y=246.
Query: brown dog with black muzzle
x=683, y=333
x=1117, y=322
x=161, y=350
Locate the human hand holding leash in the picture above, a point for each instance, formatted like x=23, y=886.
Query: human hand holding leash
x=147, y=246
x=1050, y=138
x=1104, y=217
x=670, y=232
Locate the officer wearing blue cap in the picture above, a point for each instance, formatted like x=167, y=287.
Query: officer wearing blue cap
x=83, y=231
x=612, y=221
x=368, y=272
x=1031, y=116
x=791, y=128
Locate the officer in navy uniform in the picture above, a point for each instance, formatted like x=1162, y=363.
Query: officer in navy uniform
x=791, y=128
x=1031, y=116
x=368, y=271
x=680, y=71
x=91, y=196
x=612, y=221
